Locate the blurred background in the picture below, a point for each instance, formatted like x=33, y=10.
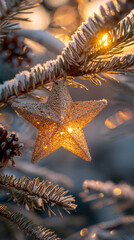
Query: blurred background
x=110, y=136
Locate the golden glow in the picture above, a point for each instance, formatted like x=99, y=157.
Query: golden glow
x=104, y=40
x=85, y=7
x=117, y=191
x=118, y=118
x=109, y=123
x=70, y=129
x=60, y=103
x=63, y=37
x=83, y=232
x=93, y=235
x=85, y=183
x=45, y=147
x=39, y=19
x=112, y=232
x=61, y=133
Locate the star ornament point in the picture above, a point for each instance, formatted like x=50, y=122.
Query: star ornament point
x=60, y=122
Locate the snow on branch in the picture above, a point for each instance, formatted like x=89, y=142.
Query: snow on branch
x=37, y=194
x=44, y=38
x=77, y=51
x=121, y=191
x=107, y=193
x=75, y=57
x=115, y=40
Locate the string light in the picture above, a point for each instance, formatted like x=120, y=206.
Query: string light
x=70, y=129
x=104, y=40
x=118, y=118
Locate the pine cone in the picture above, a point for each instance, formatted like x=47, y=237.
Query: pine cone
x=9, y=147
x=15, y=51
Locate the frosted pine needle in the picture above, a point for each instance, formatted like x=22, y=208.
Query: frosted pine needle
x=27, y=226
x=37, y=194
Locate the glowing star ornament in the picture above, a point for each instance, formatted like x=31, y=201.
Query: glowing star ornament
x=60, y=122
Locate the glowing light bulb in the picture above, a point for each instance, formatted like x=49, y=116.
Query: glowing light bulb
x=104, y=40
x=69, y=129
x=45, y=147
x=61, y=133
x=117, y=191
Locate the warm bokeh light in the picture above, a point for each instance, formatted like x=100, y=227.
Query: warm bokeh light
x=64, y=23
x=117, y=191
x=112, y=232
x=56, y=4
x=85, y=183
x=104, y=40
x=36, y=47
x=39, y=19
x=118, y=118
x=83, y=232
x=63, y=37
x=45, y=147
x=87, y=8
x=93, y=235
x=70, y=129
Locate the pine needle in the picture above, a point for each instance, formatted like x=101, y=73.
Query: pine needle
x=36, y=194
x=27, y=226
x=8, y=11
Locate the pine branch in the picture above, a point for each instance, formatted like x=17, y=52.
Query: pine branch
x=9, y=10
x=30, y=192
x=39, y=75
x=44, y=38
x=77, y=51
x=119, y=63
x=27, y=226
x=44, y=173
x=111, y=230
x=121, y=191
x=74, y=58
x=118, y=38
x=108, y=193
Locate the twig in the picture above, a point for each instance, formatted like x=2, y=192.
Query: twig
x=27, y=226
x=8, y=11
x=26, y=191
x=102, y=230
x=73, y=57
x=44, y=38
x=118, y=191
x=44, y=172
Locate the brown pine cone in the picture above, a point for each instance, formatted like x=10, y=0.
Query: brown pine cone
x=9, y=147
x=14, y=50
